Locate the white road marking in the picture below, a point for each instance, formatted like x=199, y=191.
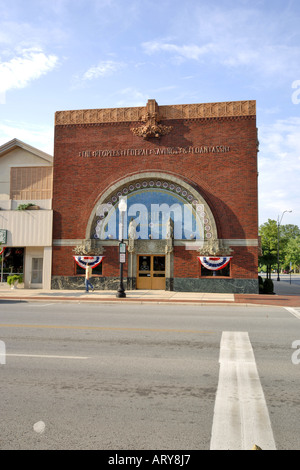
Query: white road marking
x=241, y=417
x=46, y=356
x=294, y=311
x=32, y=305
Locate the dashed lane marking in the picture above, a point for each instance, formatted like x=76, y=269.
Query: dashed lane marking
x=47, y=356
x=106, y=328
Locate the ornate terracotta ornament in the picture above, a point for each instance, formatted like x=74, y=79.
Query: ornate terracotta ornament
x=151, y=127
x=215, y=247
x=88, y=248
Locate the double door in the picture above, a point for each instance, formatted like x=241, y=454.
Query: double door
x=151, y=272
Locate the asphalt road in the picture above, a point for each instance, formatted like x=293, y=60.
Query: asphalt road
x=293, y=279
x=135, y=377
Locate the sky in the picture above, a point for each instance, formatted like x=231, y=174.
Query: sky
x=84, y=54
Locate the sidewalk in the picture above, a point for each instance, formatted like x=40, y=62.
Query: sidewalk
x=286, y=295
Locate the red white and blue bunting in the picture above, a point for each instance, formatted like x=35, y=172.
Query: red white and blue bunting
x=91, y=261
x=214, y=263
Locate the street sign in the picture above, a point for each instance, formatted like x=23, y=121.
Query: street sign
x=122, y=247
x=3, y=236
x=122, y=252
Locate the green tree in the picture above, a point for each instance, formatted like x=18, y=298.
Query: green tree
x=292, y=252
x=269, y=244
x=269, y=239
x=287, y=233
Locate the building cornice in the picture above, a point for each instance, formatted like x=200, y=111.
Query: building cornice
x=170, y=112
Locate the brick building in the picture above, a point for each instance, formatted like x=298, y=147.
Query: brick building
x=188, y=174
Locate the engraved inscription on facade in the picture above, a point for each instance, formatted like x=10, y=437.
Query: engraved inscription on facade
x=155, y=151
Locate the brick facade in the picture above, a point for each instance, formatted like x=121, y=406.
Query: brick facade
x=217, y=156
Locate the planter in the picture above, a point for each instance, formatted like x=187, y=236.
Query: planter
x=27, y=207
x=14, y=280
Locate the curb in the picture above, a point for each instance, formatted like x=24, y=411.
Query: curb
x=287, y=302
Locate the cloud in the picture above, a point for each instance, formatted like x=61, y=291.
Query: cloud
x=189, y=51
x=104, y=68
x=28, y=65
x=254, y=39
x=279, y=169
x=131, y=97
x=39, y=136
x=281, y=139
x=232, y=53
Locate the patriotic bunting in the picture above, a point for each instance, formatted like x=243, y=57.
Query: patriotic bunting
x=91, y=261
x=213, y=263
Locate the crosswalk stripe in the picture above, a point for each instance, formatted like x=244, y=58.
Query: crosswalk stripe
x=241, y=417
x=294, y=311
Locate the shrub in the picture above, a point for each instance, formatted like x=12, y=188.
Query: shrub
x=23, y=207
x=12, y=279
x=261, y=284
x=268, y=286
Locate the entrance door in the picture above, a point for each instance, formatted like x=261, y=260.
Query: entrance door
x=151, y=272
x=37, y=272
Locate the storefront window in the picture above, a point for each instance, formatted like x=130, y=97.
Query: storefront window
x=144, y=263
x=96, y=271
x=220, y=272
x=13, y=262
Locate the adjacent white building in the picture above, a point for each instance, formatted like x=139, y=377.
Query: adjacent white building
x=26, y=178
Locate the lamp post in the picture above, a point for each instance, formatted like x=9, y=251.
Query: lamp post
x=122, y=246
x=278, y=236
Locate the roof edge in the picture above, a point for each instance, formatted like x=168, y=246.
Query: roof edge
x=15, y=143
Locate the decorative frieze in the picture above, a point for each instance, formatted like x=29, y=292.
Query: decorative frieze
x=139, y=114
